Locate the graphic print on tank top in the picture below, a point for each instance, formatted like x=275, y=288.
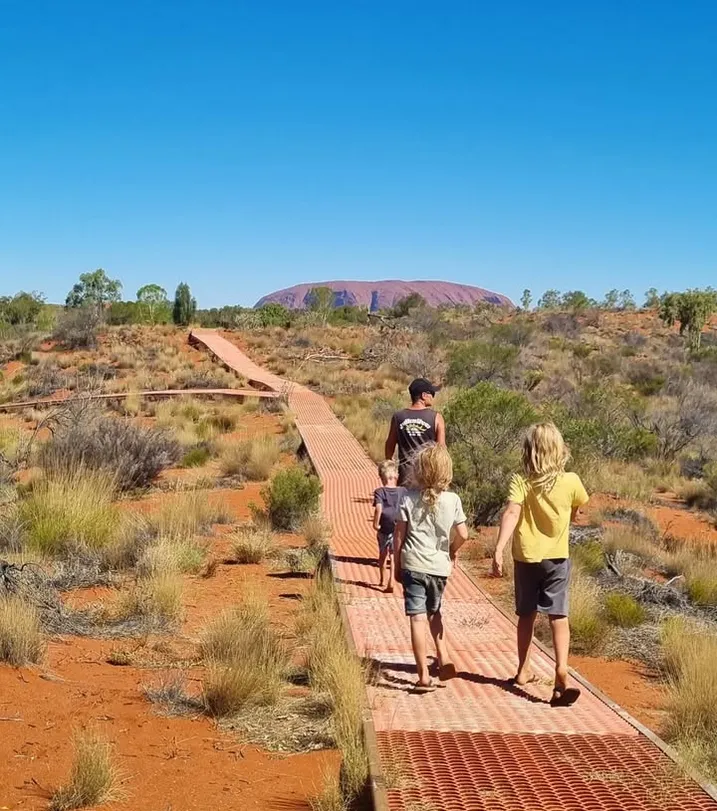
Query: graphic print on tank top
x=414, y=429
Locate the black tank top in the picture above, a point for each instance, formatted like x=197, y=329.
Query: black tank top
x=414, y=429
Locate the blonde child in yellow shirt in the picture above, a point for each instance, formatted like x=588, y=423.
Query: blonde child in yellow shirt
x=542, y=503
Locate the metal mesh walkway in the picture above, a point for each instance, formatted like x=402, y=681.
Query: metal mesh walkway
x=478, y=744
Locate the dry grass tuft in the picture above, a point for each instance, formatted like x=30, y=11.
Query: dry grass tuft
x=172, y=555
x=246, y=659
x=252, y=459
x=188, y=513
x=316, y=531
x=587, y=625
x=253, y=544
x=630, y=539
x=331, y=797
x=21, y=639
x=690, y=657
x=70, y=511
x=623, y=610
x=93, y=779
x=157, y=598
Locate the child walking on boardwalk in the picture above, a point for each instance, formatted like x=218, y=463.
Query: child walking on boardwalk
x=386, y=501
x=430, y=530
x=542, y=503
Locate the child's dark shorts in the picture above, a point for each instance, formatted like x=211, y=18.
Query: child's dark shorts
x=385, y=542
x=422, y=593
x=542, y=587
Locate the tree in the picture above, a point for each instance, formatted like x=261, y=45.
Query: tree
x=692, y=309
x=627, y=300
x=550, y=300
x=274, y=314
x=185, y=306
x=153, y=300
x=321, y=301
x=22, y=308
x=610, y=300
x=652, y=299
x=526, y=299
x=576, y=300
x=94, y=289
x=403, y=306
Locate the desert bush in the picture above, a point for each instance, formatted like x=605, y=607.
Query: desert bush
x=290, y=497
x=172, y=555
x=133, y=454
x=93, y=778
x=565, y=324
x=71, y=510
x=484, y=428
x=690, y=656
x=246, y=659
x=623, y=610
x=21, y=639
x=187, y=514
x=77, y=328
x=587, y=626
x=472, y=361
x=647, y=377
x=252, y=459
x=253, y=544
x=701, y=581
x=46, y=378
x=197, y=456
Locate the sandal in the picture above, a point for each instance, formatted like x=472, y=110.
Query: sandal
x=564, y=696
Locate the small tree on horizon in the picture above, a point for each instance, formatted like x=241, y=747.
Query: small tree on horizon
x=321, y=301
x=652, y=299
x=95, y=289
x=526, y=299
x=692, y=309
x=626, y=300
x=610, y=300
x=550, y=300
x=185, y=306
x=154, y=301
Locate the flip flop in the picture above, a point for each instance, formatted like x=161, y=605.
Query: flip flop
x=422, y=689
x=564, y=696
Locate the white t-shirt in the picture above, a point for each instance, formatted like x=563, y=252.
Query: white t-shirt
x=426, y=548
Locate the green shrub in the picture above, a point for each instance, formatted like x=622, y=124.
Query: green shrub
x=472, y=361
x=291, y=497
x=623, y=610
x=588, y=556
x=196, y=457
x=484, y=428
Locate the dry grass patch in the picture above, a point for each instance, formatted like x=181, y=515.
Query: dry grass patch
x=623, y=479
x=188, y=513
x=316, y=531
x=252, y=459
x=70, y=510
x=587, y=625
x=630, y=539
x=690, y=655
x=246, y=659
x=623, y=610
x=157, y=599
x=168, y=555
x=331, y=797
x=253, y=544
x=22, y=641
x=93, y=778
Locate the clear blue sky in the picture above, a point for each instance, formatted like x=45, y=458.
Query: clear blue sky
x=247, y=146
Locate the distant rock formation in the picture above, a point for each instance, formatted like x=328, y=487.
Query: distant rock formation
x=381, y=295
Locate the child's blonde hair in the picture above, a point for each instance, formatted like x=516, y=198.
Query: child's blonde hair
x=433, y=473
x=544, y=455
x=387, y=470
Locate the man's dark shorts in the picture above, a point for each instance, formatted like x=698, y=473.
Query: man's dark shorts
x=542, y=587
x=422, y=593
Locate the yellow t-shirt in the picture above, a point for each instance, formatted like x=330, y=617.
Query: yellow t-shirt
x=544, y=525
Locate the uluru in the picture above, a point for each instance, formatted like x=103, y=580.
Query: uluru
x=383, y=294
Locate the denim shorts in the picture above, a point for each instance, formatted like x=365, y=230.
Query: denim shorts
x=422, y=593
x=542, y=587
x=385, y=541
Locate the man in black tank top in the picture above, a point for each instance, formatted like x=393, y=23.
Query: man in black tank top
x=414, y=427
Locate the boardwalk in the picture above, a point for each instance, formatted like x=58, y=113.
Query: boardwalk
x=478, y=744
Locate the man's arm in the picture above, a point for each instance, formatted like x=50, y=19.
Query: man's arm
x=392, y=440
x=508, y=523
x=440, y=430
x=399, y=535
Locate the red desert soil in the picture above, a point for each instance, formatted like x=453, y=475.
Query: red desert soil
x=167, y=764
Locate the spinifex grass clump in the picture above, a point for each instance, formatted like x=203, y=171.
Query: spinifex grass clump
x=623, y=610
x=587, y=625
x=93, y=779
x=22, y=641
x=252, y=459
x=253, y=544
x=246, y=659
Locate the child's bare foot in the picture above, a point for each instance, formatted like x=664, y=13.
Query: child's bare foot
x=389, y=589
x=525, y=677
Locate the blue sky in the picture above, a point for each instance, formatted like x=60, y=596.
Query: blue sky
x=244, y=147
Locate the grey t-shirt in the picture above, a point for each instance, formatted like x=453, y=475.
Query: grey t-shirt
x=426, y=547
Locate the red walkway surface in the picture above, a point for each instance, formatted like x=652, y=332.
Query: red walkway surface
x=478, y=744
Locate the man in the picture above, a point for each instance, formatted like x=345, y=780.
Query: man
x=414, y=427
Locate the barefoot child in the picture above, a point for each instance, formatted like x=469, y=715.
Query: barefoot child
x=430, y=530
x=542, y=503
x=385, y=512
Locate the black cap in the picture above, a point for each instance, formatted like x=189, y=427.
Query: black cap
x=422, y=386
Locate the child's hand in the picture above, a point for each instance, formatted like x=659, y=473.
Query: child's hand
x=497, y=566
